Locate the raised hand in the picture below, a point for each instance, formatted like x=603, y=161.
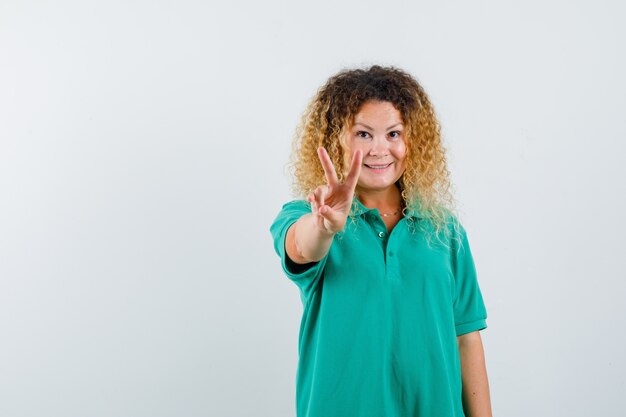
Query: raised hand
x=331, y=202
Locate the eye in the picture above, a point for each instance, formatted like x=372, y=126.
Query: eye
x=395, y=134
x=362, y=134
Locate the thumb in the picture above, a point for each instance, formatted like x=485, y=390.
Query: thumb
x=333, y=217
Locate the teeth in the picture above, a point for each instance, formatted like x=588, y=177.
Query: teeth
x=377, y=166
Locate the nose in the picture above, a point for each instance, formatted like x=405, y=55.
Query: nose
x=379, y=147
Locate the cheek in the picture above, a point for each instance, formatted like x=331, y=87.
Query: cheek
x=349, y=149
x=347, y=160
x=400, y=152
x=354, y=145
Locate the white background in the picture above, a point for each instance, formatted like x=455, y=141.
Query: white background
x=143, y=147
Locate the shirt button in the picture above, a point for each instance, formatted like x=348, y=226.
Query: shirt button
x=390, y=253
x=381, y=234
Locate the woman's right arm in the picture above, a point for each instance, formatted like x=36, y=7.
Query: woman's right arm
x=306, y=242
x=309, y=239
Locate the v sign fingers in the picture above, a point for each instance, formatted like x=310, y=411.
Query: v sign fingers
x=327, y=164
x=355, y=169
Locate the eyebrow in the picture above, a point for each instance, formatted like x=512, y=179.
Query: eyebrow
x=366, y=126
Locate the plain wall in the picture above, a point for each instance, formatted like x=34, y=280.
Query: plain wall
x=143, y=152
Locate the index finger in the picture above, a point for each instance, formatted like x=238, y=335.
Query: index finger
x=327, y=165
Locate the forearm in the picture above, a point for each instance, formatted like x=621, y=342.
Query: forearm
x=306, y=242
x=476, y=398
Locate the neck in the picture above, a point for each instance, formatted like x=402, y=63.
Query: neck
x=384, y=200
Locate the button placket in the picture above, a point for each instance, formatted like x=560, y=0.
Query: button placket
x=380, y=229
x=391, y=251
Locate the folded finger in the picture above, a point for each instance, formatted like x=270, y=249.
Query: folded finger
x=311, y=199
x=320, y=194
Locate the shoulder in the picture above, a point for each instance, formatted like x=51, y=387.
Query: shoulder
x=453, y=232
x=291, y=211
x=454, y=224
x=295, y=207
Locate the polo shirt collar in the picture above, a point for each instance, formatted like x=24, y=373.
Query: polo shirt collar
x=360, y=209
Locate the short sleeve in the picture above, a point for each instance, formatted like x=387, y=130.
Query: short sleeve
x=304, y=276
x=470, y=313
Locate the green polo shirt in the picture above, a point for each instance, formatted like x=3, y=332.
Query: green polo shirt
x=381, y=316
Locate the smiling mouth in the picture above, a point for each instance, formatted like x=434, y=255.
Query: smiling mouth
x=378, y=166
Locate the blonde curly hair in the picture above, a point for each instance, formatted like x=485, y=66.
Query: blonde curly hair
x=425, y=184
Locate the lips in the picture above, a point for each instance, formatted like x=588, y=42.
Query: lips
x=378, y=166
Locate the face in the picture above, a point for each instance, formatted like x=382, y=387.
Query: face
x=379, y=132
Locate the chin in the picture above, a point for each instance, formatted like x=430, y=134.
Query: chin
x=377, y=186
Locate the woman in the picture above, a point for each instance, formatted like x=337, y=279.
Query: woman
x=392, y=305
